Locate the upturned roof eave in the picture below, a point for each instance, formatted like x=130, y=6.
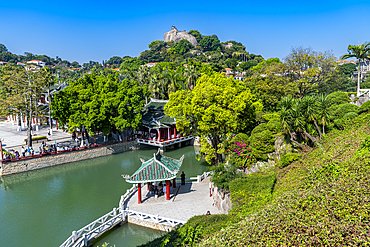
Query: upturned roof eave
x=150, y=180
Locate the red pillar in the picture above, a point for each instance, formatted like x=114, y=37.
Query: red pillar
x=139, y=193
x=168, y=189
x=174, y=132
x=56, y=124
x=174, y=183
x=148, y=186
x=159, y=134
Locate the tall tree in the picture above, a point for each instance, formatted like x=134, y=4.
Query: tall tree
x=216, y=107
x=22, y=86
x=360, y=52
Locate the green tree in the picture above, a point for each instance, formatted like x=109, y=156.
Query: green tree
x=3, y=48
x=22, y=85
x=360, y=52
x=196, y=34
x=347, y=69
x=209, y=43
x=181, y=47
x=216, y=107
x=100, y=104
x=116, y=60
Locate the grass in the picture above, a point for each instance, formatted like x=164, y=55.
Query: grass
x=323, y=199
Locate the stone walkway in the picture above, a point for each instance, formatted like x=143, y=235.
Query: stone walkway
x=14, y=140
x=192, y=199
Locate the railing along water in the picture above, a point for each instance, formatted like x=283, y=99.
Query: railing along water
x=84, y=235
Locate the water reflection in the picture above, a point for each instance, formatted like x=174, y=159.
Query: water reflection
x=43, y=207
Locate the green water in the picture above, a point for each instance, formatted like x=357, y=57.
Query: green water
x=42, y=208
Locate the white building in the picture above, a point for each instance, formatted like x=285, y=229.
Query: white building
x=38, y=62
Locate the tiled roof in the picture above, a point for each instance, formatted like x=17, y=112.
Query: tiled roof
x=158, y=168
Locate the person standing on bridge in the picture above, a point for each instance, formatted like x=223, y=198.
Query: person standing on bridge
x=182, y=178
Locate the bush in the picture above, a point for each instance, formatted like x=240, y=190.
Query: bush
x=261, y=144
x=275, y=126
x=339, y=123
x=350, y=116
x=36, y=138
x=343, y=109
x=338, y=98
x=365, y=107
x=288, y=159
x=259, y=128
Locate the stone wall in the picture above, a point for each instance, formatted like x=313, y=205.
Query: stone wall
x=63, y=158
x=221, y=200
x=152, y=225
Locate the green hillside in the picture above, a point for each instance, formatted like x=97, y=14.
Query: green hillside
x=323, y=199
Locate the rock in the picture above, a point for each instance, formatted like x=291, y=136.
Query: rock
x=221, y=200
x=176, y=35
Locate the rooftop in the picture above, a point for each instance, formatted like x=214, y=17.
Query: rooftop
x=158, y=168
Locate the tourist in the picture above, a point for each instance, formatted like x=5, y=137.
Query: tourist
x=48, y=132
x=182, y=178
x=32, y=151
x=40, y=149
x=208, y=213
x=164, y=189
x=16, y=154
x=23, y=151
x=73, y=135
x=151, y=189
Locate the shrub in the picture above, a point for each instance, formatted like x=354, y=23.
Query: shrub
x=350, y=115
x=261, y=144
x=274, y=125
x=288, y=159
x=338, y=98
x=339, y=123
x=269, y=116
x=343, y=109
x=365, y=107
x=259, y=128
x=36, y=138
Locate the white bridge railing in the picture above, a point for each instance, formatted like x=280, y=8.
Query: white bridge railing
x=84, y=235
x=364, y=92
x=163, y=143
x=155, y=218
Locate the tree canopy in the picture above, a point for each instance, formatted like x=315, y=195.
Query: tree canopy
x=100, y=103
x=216, y=107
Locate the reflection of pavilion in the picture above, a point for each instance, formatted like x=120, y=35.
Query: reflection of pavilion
x=159, y=129
x=159, y=168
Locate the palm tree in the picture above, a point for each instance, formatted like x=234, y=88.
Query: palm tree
x=191, y=75
x=310, y=110
x=360, y=52
x=323, y=110
x=172, y=78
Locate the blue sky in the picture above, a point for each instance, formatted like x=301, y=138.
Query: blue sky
x=97, y=30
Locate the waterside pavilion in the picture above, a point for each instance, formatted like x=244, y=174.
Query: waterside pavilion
x=158, y=129
x=159, y=168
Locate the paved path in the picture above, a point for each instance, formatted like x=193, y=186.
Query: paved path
x=14, y=140
x=192, y=199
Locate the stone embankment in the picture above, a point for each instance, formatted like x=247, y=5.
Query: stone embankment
x=49, y=160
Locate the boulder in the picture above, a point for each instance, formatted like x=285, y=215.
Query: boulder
x=176, y=35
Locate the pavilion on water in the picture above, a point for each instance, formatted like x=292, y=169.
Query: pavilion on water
x=158, y=129
x=159, y=168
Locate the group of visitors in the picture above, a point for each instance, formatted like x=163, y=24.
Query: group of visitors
x=158, y=189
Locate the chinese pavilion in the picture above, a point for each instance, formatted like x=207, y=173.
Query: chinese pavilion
x=159, y=168
x=158, y=129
